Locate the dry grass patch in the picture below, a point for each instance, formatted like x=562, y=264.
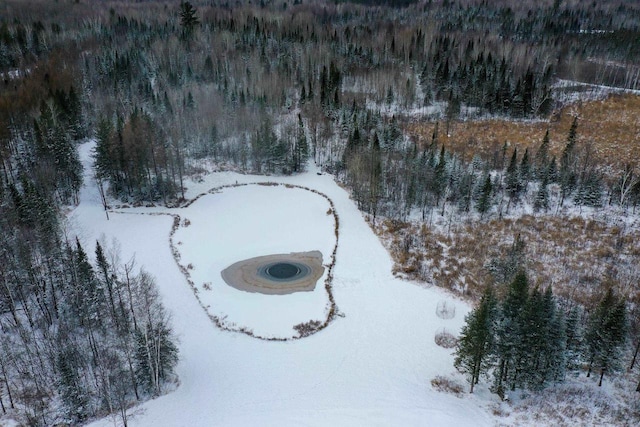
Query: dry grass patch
x=574, y=255
x=611, y=125
x=447, y=385
x=445, y=339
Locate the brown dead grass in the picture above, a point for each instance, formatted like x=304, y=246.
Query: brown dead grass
x=611, y=126
x=579, y=257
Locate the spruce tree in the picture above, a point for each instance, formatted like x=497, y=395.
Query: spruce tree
x=525, y=169
x=541, y=201
x=484, y=200
x=509, y=343
x=574, y=341
x=542, y=157
x=188, y=19
x=567, y=163
x=606, y=335
x=512, y=179
x=474, y=352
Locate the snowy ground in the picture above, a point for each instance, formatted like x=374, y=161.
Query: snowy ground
x=371, y=367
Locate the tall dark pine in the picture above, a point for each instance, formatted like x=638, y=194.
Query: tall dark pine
x=542, y=157
x=512, y=179
x=606, y=335
x=484, y=201
x=567, y=162
x=188, y=19
x=474, y=353
x=510, y=349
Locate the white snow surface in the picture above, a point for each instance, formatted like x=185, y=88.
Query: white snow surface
x=372, y=366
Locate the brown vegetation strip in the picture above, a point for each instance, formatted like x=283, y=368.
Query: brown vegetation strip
x=610, y=126
x=579, y=257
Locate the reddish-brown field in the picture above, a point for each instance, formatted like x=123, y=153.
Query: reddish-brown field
x=611, y=127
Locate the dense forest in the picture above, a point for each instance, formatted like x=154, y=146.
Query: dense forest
x=172, y=89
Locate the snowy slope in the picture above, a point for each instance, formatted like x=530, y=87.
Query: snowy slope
x=371, y=367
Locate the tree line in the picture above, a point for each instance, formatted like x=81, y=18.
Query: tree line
x=167, y=88
x=527, y=339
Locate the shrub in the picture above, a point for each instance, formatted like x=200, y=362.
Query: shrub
x=307, y=328
x=447, y=385
x=445, y=310
x=445, y=339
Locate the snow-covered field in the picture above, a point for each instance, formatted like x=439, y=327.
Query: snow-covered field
x=371, y=366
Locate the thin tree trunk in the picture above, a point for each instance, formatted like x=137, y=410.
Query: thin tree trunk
x=6, y=383
x=601, y=375
x=635, y=355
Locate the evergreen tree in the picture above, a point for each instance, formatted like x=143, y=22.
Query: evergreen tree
x=567, y=164
x=542, y=157
x=484, y=200
x=574, y=343
x=606, y=335
x=512, y=179
x=589, y=192
x=510, y=346
x=439, y=182
x=301, y=148
x=504, y=269
x=474, y=352
x=525, y=169
x=188, y=19
x=542, y=196
x=544, y=337
x=72, y=391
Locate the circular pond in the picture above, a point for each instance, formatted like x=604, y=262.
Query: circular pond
x=276, y=274
x=283, y=271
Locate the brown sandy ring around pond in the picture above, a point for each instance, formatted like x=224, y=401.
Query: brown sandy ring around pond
x=276, y=274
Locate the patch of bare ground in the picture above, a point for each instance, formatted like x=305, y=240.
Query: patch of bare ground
x=610, y=126
x=577, y=256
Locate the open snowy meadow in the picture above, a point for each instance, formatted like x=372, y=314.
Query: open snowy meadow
x=372, y=365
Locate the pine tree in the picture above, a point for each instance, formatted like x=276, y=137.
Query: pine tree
x=484, y=200
x=525, y=169
x=567, y=160
x=542, y=196
x=301, y=149
x=375, y=175
x=439, y=182
x=574, y=342
x=589, y=192
x=474, y=352
x=606, y=335
x=544, y=337
x=72, y=391
x=510, y=350
x=542, y=157
x=188, y=19
x=512, y=179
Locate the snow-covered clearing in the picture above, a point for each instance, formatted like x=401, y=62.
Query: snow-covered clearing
x=371, y=366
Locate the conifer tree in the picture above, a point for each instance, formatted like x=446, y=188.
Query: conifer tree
x=484, y=200
x=606, y=335
x=474, y=352
x=525, y=169
x=542, y=157
x=188, y=19
x=512, y=179
x=567, y=171
x=439, y=183
x=574, y=341
x=541, y=202
x=510, y=351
